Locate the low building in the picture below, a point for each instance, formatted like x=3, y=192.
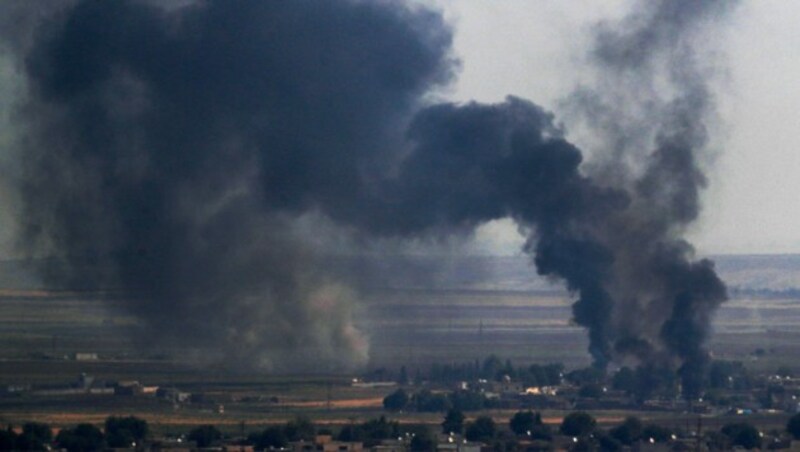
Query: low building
x=83, y=356
x=173, y=395
x=128, y=388
x=456, y=443
x=325, y=443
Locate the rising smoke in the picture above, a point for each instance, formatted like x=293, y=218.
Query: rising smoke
x=650, y=110
x=171, y=152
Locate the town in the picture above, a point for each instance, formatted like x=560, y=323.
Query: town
x=481, y=405
x=399, y=225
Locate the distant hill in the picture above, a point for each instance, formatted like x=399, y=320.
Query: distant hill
x=742, y=273
x=761, y=274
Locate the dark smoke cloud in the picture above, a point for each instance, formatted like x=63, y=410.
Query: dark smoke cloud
x=173, y=153
x=651, y=107
x=170, y=151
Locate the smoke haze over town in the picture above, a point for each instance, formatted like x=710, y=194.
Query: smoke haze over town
x=209, y=163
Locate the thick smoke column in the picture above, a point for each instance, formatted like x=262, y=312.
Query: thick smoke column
x=169, y=153
x=652, y=105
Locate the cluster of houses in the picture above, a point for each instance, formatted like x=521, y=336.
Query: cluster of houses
x=455, y=443
x=323, y=443
x=768, y=393
x=87, y=384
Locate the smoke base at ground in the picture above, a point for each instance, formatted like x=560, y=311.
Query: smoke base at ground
x=173, y=153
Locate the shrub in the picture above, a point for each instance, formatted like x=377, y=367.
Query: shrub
x=578, y=423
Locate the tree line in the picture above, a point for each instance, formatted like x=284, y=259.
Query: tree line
x=133, y=433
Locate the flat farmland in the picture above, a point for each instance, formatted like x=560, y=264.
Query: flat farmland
x=423, y=327
x=415, y=326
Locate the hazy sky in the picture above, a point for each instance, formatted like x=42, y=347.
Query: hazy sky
x=537, y=49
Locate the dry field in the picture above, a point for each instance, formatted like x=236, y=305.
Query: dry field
x=415, y=328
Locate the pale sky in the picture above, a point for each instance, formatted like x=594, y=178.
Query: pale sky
x=537, y=49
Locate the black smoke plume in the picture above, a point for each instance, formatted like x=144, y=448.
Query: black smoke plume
x=649, y=112
x=171, y=152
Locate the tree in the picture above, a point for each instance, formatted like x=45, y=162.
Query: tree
x=717, y=441
x=125, y=431
x=205, y=435
x=658, y=433
x=492, y=368
x=300, y=429
x=34, y=436
x=628, y=432
x=8, y=440
x=651, y=380
x=505, y=441
x=586, y=375
x=423, y=441
x=606, y=442
x=530, y=424
x=508, y=370
x=350, y=433
x=370, y=432
x=403, y=379
x=396, y=401
x=578, y=423
x=645, y=381
x=591, y=391
x=726, y=374
x=82, y=438
x=524, y=421
x=427, y=401
x=584, y=444
x=541, y=432
x=453, y=422
x=483, y=429
x=548, y=375
x=375, y=430
x=742, y=434
x=793, y=426
x=271, y=437
x=467, y=400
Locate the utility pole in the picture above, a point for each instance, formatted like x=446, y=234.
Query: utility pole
x=699, y=431
x=480, y=339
